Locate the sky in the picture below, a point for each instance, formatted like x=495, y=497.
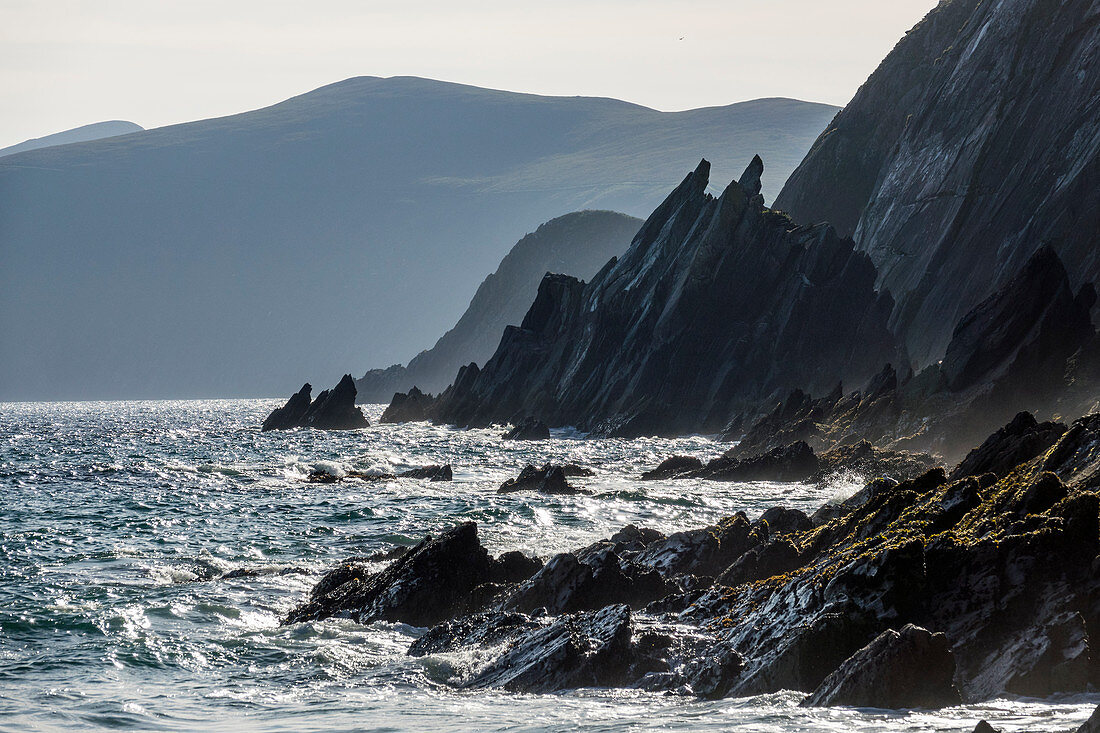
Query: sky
x=66, y=63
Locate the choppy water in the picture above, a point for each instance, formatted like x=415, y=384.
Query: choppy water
x=118, y=521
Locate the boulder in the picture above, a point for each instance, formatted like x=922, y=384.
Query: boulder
x=432, y=473
x=1092, y=725
x=334, y=409
x=529, y=429
x=984, y=727
x=911, y=668
x=794, y=462
x=550, y=479
x=411, y=406
x=428, y=584
x=673, y=467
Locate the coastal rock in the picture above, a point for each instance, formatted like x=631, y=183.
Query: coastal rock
x=1015, y=443
x=794, y=462
x=413, y=406
x=289, y=415
x=984, y=727
x=334, y=409
x=480, y=630
x=648, y=346
x=702, y=552
x=428, y=584
x=431, y=473
x=593, y=649
x=1092, y=725
x=550, y=479
x=529, y=429
x=674, y=467
x=593, y=579
x=911, y=668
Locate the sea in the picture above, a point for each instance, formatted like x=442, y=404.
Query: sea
x=149, y=549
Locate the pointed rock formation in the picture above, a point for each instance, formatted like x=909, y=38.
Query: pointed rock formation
x=717, y=304
x=334, y=409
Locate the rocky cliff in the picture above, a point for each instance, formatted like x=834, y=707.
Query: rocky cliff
x=718, y=304
x=578, y=244
x=975, y=141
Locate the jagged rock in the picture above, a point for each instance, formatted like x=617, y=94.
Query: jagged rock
x=514, y=567
x=485, y=629
x=334, y=409
x=529, y=429
x=1016, y=443
x=675, y=467
x=648, y=346
x=703, y=552
x=426, y=585
x=289, y=415
x=911, y=668
x=864, y=459
x=795, y=462
x=921, y=166
x=775, y=557
x=592, y=579
x=432, y=473
x=1076, y=457
x=413, y=406
x=984, y=727
x=591, y=649
x=550, y=479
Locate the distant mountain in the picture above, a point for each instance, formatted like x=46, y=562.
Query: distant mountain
x=976, y=141
x=85, y=133
x=344, y=227
x=578, y=244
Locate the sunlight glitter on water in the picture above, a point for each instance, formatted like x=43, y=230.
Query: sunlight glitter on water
x=121, y=519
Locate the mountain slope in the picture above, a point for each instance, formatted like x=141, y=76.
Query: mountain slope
x=347, y=226
x=579, y=243
x=718, y=305
x=977, y=140
x=85, y=133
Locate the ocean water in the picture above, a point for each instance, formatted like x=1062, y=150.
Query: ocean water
x=119, y=520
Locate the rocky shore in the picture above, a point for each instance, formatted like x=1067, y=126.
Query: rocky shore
x=926, y=589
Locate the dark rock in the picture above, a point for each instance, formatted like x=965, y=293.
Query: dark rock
x=673, y=467
x=862, y=458
x=529, y=429
x=334, y=409
x=514, y=567
x=573, y=470
x=704, y=552
x=577, y=582
x=432, y=473
x=426, y=585
x=777, y=557
x=648, y=346
x=783, y=521
x=413, y=406
x=486, y=629
x=913, y=668
x=795, y=462
x=289, y=415
x=550, y=479
x=984, y=727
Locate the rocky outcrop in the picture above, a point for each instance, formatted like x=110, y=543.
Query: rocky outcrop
x=1015, y=443
x=334, y=409
x=957, y=158
x=1029, y=346
x=794, y=462
x=528, y=429
x=291, y=414
x=431, y=473
x=718, y=303
x=674, y=467
x=1001, y=567
x=549, y=479
x=911, y=668
x=578, y=244
x=411, y=406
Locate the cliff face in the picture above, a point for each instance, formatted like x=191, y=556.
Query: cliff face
x=578, y=243
x=976, y=140
x=718, y=304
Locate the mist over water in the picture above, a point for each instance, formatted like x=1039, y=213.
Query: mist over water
x=119, y=521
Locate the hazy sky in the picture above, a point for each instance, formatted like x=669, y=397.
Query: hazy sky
x=65, y=63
